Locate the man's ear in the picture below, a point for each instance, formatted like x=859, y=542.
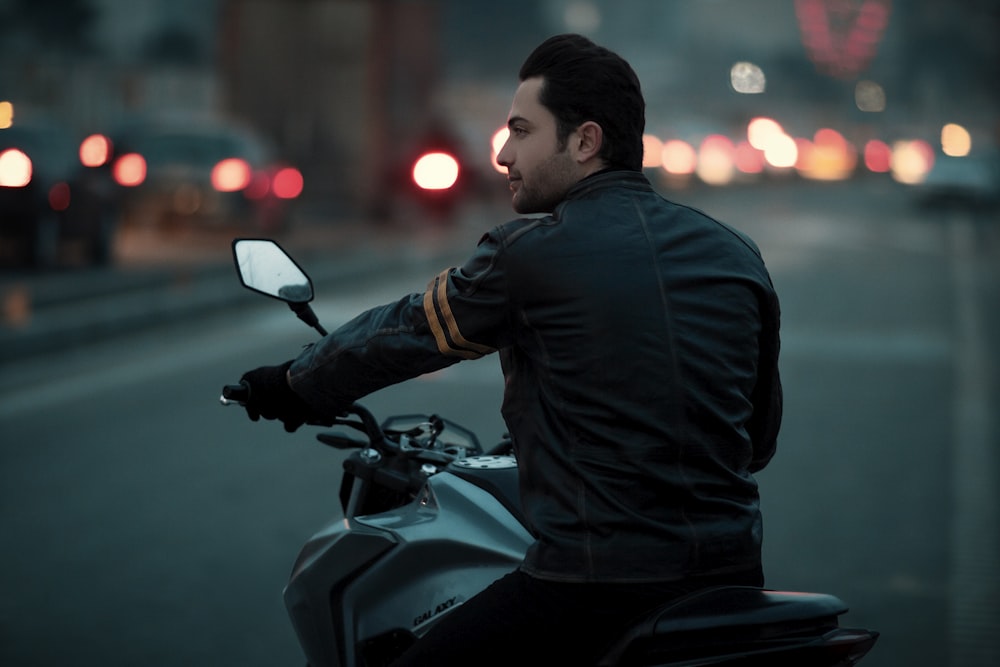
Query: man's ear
x=586, y=141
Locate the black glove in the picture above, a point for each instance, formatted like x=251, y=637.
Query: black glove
x=270, y=397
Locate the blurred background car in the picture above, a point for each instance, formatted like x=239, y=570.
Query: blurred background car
x=52, y=207
x=971, y=180
x=181, y=172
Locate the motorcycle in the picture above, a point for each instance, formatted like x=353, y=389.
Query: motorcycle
x=431, y=517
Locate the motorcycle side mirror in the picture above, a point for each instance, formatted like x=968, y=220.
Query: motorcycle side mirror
x=264, y=267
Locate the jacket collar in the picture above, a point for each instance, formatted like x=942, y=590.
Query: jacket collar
x=609, y=178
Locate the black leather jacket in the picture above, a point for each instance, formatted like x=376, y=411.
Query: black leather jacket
x=639, y=344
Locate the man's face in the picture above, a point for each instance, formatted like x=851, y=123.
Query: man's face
x=539, y=170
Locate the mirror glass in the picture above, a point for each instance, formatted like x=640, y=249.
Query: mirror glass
x=263, y=266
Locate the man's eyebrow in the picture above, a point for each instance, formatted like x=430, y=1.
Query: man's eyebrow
x=516, y=119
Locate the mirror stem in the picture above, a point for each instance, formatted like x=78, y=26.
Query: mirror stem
x=305, y=313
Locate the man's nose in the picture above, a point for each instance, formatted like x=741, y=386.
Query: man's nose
x=503, y=156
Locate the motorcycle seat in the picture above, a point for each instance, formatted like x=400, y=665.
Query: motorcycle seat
x=727, y=614
x=743, y=605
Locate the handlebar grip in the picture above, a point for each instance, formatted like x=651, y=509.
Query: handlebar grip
x=235, y=393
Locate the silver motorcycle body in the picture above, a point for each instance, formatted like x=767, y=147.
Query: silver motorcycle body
x=366, y=586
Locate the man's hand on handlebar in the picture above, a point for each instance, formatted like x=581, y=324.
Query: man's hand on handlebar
x=270, y=396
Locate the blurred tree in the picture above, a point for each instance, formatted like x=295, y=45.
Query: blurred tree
x=50, y=26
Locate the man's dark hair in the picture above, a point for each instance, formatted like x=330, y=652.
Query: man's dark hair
x=584, y=81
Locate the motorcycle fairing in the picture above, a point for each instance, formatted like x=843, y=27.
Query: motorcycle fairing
x=400, y=571
x=332, y=556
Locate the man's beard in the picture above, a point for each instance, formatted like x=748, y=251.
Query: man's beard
x=549, y=184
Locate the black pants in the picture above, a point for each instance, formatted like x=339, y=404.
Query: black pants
x=523, y=621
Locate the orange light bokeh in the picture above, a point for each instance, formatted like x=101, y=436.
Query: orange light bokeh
x=95, y=150
x=130, y=170
x=231, y=175
x=15, y=169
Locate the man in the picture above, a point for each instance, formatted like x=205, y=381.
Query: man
x=639, y=344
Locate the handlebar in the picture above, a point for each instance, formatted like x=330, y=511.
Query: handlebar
x=239, y=394
x=360, y=419
x=235, y=394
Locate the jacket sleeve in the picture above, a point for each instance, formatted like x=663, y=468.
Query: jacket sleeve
x=767, y=396
x=460, y=315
